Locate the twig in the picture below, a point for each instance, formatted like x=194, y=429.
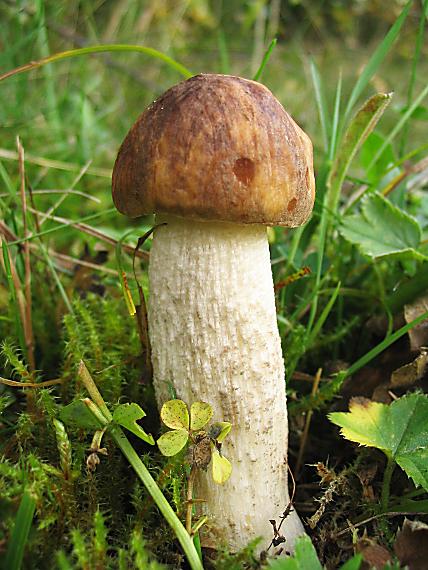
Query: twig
x=28, y=323
x=277, y=537
x=374, y=517
x=307, y=425
x=16, y=384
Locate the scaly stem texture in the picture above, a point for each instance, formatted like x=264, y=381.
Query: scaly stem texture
x=214, y=337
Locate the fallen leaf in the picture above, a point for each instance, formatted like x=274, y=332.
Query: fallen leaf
x=374, y=555
x=419, y=334
x=410, y=373
x=411, y=545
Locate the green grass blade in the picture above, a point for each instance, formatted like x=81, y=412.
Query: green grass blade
x=323, y=317
x=223, y=52
x=43, y=47
x=336, y=119
x=406, y=116
x=101, y=49
x=415, y=61
x=265, y=59
x=377, y=58
x=321, y=104
x=56, y=278
x=360, y=127
x=21, y=529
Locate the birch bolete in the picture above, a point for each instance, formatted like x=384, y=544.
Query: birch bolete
x=217, y=159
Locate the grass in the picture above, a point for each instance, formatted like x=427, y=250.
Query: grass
x=60, y=281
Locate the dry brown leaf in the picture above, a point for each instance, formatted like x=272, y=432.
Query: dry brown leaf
x=411, y=545
x=418, y=335
x=410, y=373
x=374, y=555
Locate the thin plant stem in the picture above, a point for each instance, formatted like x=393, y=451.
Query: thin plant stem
x=384, y=498
x=28, y=322
x=189, y=497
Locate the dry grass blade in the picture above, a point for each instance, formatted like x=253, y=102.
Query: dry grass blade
x=85, y=228
x=56, y=164
x=28, y=322
x=16, y=384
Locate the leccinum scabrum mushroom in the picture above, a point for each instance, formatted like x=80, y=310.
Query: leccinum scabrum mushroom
x=218, y=159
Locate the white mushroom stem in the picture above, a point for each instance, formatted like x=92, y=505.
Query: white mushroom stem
x=214, y=337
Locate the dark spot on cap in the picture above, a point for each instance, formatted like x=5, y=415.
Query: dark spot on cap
x=244, y=169
x=292, y=204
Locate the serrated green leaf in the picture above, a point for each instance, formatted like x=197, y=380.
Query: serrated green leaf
x=171, y=442
x=221, y=467
x=175, y=414
x=127, y=415
x=415, y=464
x=77, y=414
x=400, y=430
x=200, y=415
x=382, y=229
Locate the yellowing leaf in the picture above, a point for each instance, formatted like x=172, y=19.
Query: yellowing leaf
x=200, y=415
x=400, y=430
x=362, y=423
x=221, y=466
x=171, y=442
x=175, y=414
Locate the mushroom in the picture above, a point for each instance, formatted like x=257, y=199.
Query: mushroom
x=217, y=159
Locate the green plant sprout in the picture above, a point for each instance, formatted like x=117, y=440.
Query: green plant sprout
x=205, y=445
x=94, y=414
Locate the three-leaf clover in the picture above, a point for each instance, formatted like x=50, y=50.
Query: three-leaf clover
x=205, y=445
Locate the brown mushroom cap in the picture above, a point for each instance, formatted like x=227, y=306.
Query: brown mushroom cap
x=216, y=147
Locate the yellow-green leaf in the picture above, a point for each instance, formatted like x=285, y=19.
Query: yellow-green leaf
x=400, y=430
x=175, y=414
x=200, y=415
x=171, y=442
x=221, y=466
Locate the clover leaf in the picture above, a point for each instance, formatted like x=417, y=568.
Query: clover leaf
x=187, y=428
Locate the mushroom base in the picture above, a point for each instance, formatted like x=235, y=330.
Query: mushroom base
x=214, y=337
